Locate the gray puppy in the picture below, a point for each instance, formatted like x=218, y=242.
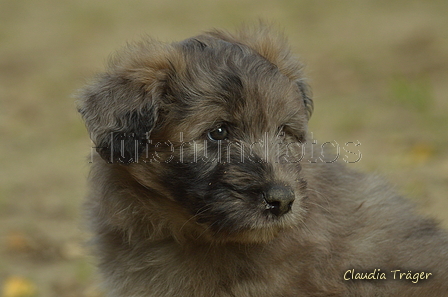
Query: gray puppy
x=200, y=188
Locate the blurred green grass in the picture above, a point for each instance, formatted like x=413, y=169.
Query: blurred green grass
x=415, y=94
x=378, y=70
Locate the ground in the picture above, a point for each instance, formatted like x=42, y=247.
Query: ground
x=378, y=70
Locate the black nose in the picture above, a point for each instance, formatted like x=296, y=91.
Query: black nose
x=278, y=199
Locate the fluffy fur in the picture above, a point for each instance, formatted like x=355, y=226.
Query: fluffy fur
x=200, y=188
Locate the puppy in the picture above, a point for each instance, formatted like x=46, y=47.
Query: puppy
x=200, y=186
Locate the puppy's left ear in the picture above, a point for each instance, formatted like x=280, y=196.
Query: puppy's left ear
x=274, y=47
x=121, y=107
x=306, y=96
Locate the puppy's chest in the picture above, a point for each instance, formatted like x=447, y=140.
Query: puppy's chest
x=169, y=271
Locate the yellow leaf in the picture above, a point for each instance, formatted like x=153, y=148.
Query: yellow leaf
x=16, y=286
x=421, y=152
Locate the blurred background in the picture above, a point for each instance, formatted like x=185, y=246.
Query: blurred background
x=378, y=70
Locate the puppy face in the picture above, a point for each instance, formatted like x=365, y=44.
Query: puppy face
x=213, y=125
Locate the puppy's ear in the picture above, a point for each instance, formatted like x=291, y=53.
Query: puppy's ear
x=120, y=108
x=306, y=96
x=274, y=47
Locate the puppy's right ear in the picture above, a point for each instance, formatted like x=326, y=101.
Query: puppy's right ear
x=121, y=107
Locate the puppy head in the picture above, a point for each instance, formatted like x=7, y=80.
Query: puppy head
x=213, y=124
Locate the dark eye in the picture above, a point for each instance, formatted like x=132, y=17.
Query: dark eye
x=281, y=130
x=219, y=133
